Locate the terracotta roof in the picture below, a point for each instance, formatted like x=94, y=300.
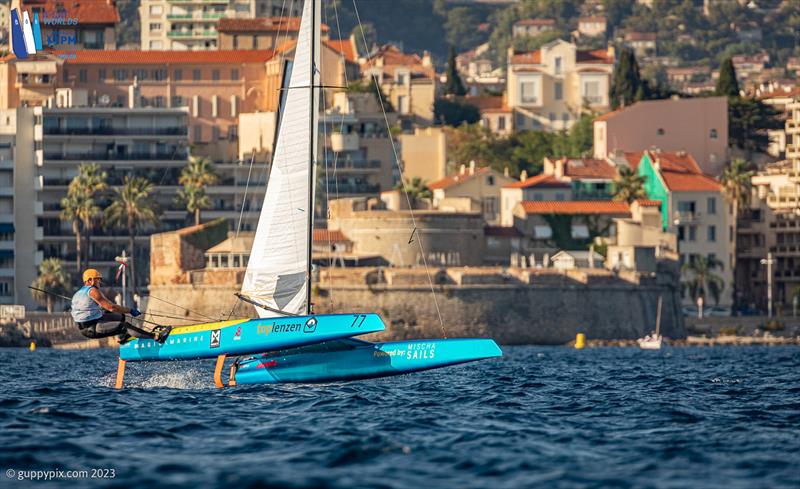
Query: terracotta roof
x=633, y=158
x=457, y=178
x=640, y=36
x=262, y=24
x=535, y=22
x=576, y=207
x=590, y=168
x=343, y=46
x=607, y=115
x=599, y=56
x=131, y=57
x=543, y=181
x=681, y=173
x=649, y=203
x=90, y=12
x=486, y=102
x=502, y=231
x=592, y=19
x=325, y=235
x=392, y=58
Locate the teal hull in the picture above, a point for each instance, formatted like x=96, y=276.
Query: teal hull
x=250, y=336
x=355, y=359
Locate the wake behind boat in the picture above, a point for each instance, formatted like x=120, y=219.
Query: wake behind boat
x=278, y=276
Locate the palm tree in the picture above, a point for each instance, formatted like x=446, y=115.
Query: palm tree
x=132, y=207
x=416, y=189
x=629, y=186
x=80, y=204
x=736, y=187
x=52, y=278
x=703, y=280
x=195, y=177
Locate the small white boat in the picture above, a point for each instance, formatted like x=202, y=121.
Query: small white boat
x=653, y=340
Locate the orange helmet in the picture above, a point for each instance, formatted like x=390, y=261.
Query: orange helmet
x=91, y=273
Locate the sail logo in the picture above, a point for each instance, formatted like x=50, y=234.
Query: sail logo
x=264, y=329
x=26, y=34
x=215, y=338
x=238, y=335
x=311, y=326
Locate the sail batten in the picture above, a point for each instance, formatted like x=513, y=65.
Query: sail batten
x=277, y=272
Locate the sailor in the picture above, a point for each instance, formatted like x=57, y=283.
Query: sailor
x=98, y=317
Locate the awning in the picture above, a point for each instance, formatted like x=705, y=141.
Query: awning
x=6, y=227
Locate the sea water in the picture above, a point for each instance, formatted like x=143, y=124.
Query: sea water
x=725, y=417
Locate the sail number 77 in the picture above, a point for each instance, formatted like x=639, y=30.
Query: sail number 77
x=358, y=320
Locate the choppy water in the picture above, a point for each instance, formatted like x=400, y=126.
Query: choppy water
x=539, y=417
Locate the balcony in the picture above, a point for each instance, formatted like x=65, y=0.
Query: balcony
x=792, y=126
x=195, y=16
x=116, y=131
x=344, y=142
x=783, y=201
x=193, y=34
x=686, y=217
x=369, y=165
x=354, y=188
x=105, y=156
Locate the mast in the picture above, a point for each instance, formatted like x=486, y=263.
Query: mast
x=311, y=156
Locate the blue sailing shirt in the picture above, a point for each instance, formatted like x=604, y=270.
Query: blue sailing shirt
x=84, y=308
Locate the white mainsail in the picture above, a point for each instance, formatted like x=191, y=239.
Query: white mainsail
x=277, y=273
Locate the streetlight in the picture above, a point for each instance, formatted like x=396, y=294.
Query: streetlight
x=768, y=262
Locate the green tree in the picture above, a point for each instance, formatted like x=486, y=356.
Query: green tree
x=195, y=177
x=52, y=278
x=133, y=206
x=736, y=187
x=454, y=112
x=726, y=83
x=72, y=208
x=629, y=186
x=701, y=279
x=617, y=10
x=454, y=85
x=748, y=122
x=627, y=86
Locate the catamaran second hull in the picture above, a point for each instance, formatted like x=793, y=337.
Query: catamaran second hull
x=250, y=336
x=353, y=359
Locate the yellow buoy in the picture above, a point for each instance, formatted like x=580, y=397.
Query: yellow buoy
x=33, y=346
x=580, y=341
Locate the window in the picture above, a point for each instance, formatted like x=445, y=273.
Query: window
x=214, y=133
x=520, y=121
x=155, y=26
x=234, y=74
x=591, y=92
x=400, y=78
x=558, y=65
x=156, y=10
x=198, y=132
x=559, y=91
x=692, y=233
x=537, y=196
x=580, y=231
x=713, y=134
x=489, y=207
x=177, y=101
x=527, y=92
x=140, y=74
x=490, y=180
x=712, y=233
x=552, y=118
x=215, y=75
x=196, y=75
x=82, y=75
x=156, y=45
x=565, y=119
x=712, y=205
x=101, y=74
x=501, y=123
x=559, y=196
x=681, y=234
x=177, y=75
x=120, y=75
x=158, y=101
x=660, y=131
x=160, y=74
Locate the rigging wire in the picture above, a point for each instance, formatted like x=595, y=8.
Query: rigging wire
x=400, y=170
x=151, y=296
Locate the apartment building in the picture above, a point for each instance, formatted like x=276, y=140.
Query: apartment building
x=495, y=113
x=8, y=130
x=693, y=207
x=408, y=80
x=592, y=26
x=74, y=24
x=772, y=225
x=697, y=126
x=532, y=27
x=215, y=86
x=643, y=44
x=548, y=88
x=193, y=24
x=424, y=154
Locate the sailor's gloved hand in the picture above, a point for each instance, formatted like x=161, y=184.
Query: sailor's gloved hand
x=135, y=312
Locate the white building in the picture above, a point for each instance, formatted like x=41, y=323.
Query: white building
x=192, y=24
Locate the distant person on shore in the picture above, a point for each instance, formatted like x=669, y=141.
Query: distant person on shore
x=98, y=317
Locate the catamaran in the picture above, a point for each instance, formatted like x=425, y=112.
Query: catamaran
x=288, y=342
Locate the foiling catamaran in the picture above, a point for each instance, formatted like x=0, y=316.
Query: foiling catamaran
x=288, y=343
